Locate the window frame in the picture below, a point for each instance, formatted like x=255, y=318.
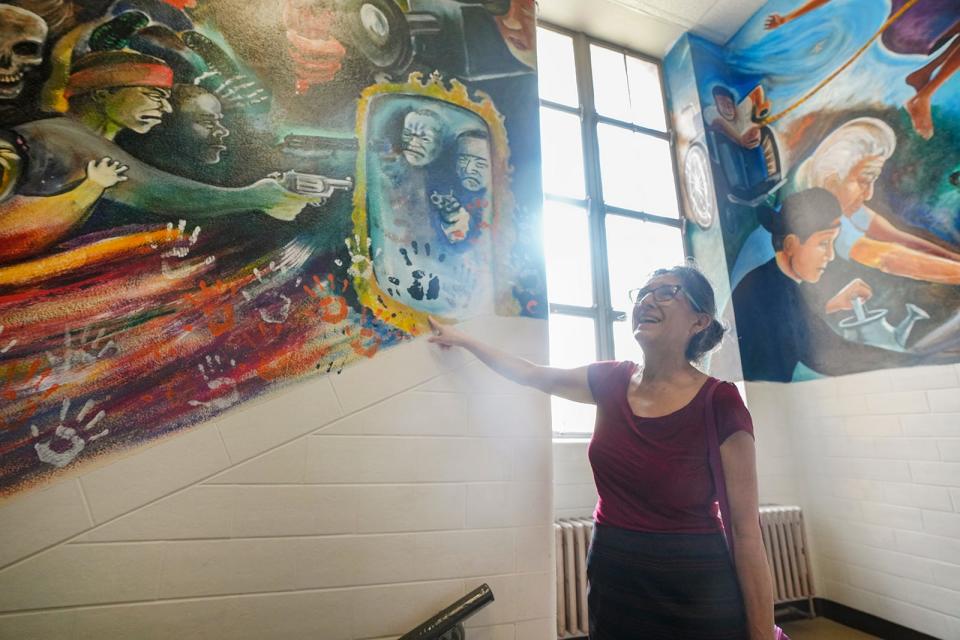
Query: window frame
x=602, y=311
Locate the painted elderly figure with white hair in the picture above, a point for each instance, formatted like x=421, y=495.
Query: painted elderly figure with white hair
x=847, y=163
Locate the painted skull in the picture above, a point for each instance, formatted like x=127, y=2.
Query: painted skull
x=22, y=36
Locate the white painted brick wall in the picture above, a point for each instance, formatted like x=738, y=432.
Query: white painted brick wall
x=345, y=508
x=877, y=468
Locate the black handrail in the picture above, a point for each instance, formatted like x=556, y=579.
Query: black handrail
x=444, y=621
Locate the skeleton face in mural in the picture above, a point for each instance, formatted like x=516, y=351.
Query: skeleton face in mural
x=422, y=137
x=22, y=36
x=473, y=160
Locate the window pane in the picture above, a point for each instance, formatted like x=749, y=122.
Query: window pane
x=635, y=249
x=562, y=152
x=611, y=95
x=572, y=344
x=555, y=67
x=625, y=347
x=566, y=244
x=636, y=171
x=646, y=100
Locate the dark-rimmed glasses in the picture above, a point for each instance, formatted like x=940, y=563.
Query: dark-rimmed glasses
x=663, y=293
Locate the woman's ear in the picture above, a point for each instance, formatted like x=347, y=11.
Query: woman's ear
x=703, y=321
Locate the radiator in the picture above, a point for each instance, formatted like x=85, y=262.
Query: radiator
x=784, y=539
x=788, y=554
x=573, y=539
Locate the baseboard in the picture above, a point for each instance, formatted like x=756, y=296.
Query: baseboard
x=865, y=622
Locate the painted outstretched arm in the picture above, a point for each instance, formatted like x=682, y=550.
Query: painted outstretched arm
x=898, y=260
x=775, y=20
x=30, y=224
x=167, y=194
x=883, y=230
x=567, y=383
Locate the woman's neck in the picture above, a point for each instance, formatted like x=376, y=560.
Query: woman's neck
x=662, y=368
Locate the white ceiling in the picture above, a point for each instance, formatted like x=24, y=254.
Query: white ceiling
x=650, y=26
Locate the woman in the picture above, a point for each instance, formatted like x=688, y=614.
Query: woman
x=658, y=566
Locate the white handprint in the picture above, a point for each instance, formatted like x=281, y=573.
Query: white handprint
x=83, y=352
x=272, y=305
x=65, y=443
x=218, y=384
x=180, y=250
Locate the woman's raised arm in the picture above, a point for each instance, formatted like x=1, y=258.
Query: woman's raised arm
x=566, y=383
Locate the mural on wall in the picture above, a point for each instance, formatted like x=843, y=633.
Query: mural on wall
x=203, y=200
x=829, y=133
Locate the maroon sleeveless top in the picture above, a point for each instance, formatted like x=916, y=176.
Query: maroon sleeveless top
x=653, y=474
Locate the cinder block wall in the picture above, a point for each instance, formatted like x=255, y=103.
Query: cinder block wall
x=876, y=457
x=350, y=506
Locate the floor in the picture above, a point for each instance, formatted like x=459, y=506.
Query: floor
x=822, y=629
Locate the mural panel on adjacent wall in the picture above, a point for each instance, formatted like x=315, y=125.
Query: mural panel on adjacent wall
x=202, y=201
x=829, y=131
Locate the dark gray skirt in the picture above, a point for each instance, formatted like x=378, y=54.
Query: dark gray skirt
x=654, y=586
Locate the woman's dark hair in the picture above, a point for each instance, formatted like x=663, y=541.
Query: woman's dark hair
x=696, y=285
x=803, y=214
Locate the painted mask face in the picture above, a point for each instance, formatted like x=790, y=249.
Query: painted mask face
x=810, y=258
x=473, y=162
x=725, y=106
x=202, y=128
x=137, y=108
x=421, y=138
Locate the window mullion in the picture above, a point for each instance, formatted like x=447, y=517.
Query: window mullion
x=595, y=208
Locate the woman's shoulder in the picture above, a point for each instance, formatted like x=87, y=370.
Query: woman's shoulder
x=607, y=375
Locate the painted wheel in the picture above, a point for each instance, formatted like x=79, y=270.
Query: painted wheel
x=379, y=31
x=701, y=207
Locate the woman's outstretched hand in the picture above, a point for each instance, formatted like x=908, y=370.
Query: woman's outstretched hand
x=445, y=335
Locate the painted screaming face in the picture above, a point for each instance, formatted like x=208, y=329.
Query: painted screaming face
x=136, y=108
x=473, y=162
x=421, y=137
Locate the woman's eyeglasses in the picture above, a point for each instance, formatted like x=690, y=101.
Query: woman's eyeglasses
x=663, y=293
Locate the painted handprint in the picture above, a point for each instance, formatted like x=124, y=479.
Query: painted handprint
x=180, y=249
x=221, y=389
x=266, y=295
x=60, y=447
x=82, y=350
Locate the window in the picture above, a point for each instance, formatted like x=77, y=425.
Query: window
x=610, y=213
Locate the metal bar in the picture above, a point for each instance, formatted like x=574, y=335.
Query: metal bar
x=646, y=217
x=573, y=310
x=439, y=624
x=577, y=202
x=591, y=168
x=559, y=106
x=654, y=133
